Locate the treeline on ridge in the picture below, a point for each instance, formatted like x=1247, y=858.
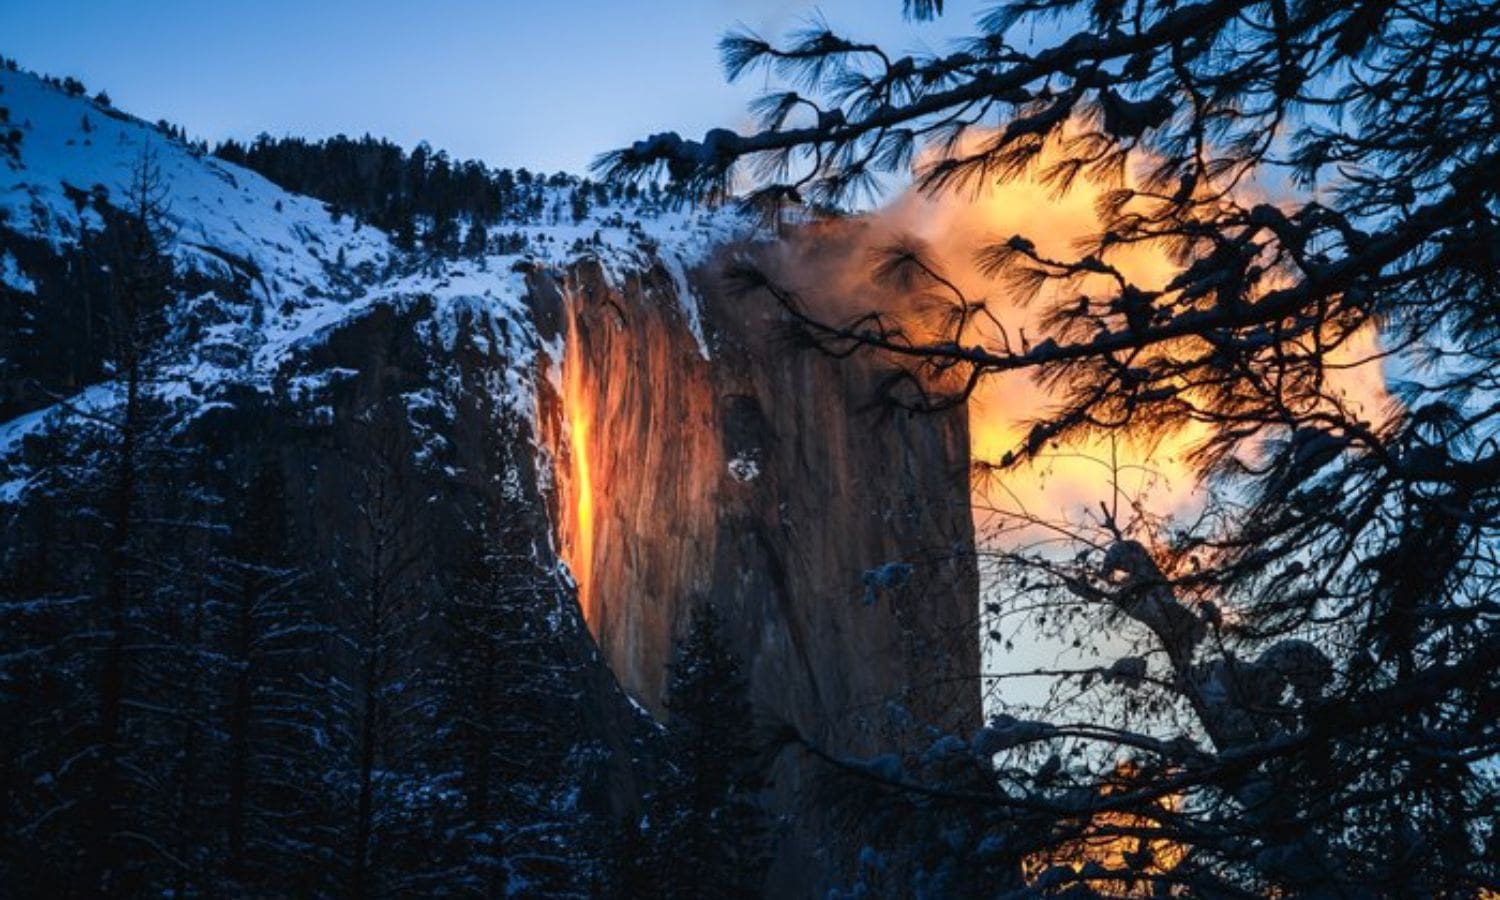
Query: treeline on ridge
x=424, y=197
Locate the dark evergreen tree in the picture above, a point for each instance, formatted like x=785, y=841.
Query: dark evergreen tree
x=132, y=434
x=174, y=740
x=274, y=700
x=381, y=632
x=636, y=866
x=507, y=690
x=90, y=590
x=708, y=831
x=579, y=200
x=476, y=239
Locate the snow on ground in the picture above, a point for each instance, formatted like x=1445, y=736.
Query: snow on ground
x=11, y=275
x=72, y=143
x=744, y=467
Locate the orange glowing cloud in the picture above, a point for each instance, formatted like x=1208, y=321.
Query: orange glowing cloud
x=956, y=226
x=1156, y=467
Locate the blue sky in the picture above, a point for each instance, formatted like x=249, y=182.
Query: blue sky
x=540, y=84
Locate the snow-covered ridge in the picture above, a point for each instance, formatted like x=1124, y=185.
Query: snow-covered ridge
x=314, y=271
x=71, y=144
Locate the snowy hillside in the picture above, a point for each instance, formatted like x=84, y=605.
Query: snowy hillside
x=70, y=145
x=304, y=270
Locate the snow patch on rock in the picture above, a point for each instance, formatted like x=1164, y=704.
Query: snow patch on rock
x=688, y=300
x=744, y=468
x=12, y=277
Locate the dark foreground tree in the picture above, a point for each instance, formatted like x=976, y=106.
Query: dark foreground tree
x=1312, y=712
x=708, y=834
x=383, y=632
x=506, y=718
x=89, y=594
x=272, y=699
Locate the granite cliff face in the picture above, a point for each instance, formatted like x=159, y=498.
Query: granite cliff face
x=763, y=478
x=833, y=534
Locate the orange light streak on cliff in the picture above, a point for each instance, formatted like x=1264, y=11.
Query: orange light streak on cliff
x=578, y=530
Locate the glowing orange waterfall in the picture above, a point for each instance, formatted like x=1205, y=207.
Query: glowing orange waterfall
x=578, y=539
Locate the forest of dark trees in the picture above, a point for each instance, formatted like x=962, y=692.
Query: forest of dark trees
x=423, y=198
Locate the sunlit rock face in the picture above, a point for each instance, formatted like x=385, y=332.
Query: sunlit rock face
x=761, y=477
x=766, y=480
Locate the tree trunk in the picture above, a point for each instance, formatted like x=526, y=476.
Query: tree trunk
x=239, y=728
x=106, y=801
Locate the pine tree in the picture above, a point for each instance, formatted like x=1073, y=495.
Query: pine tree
x=476, y=239
x=131, y=435
x=710, y=833
x=382, y=634
x=272, y=697
x=174, y=741
x=95, y=589
x=507, y=690
x=578, y=201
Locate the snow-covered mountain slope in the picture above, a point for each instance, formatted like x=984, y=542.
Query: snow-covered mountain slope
x=302, y=269
x=70, y=145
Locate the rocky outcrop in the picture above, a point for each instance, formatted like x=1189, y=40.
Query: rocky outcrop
x=834, y=534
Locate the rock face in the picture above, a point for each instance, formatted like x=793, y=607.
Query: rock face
x=763, y=478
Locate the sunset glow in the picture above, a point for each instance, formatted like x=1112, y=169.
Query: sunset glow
x=1153, y=467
